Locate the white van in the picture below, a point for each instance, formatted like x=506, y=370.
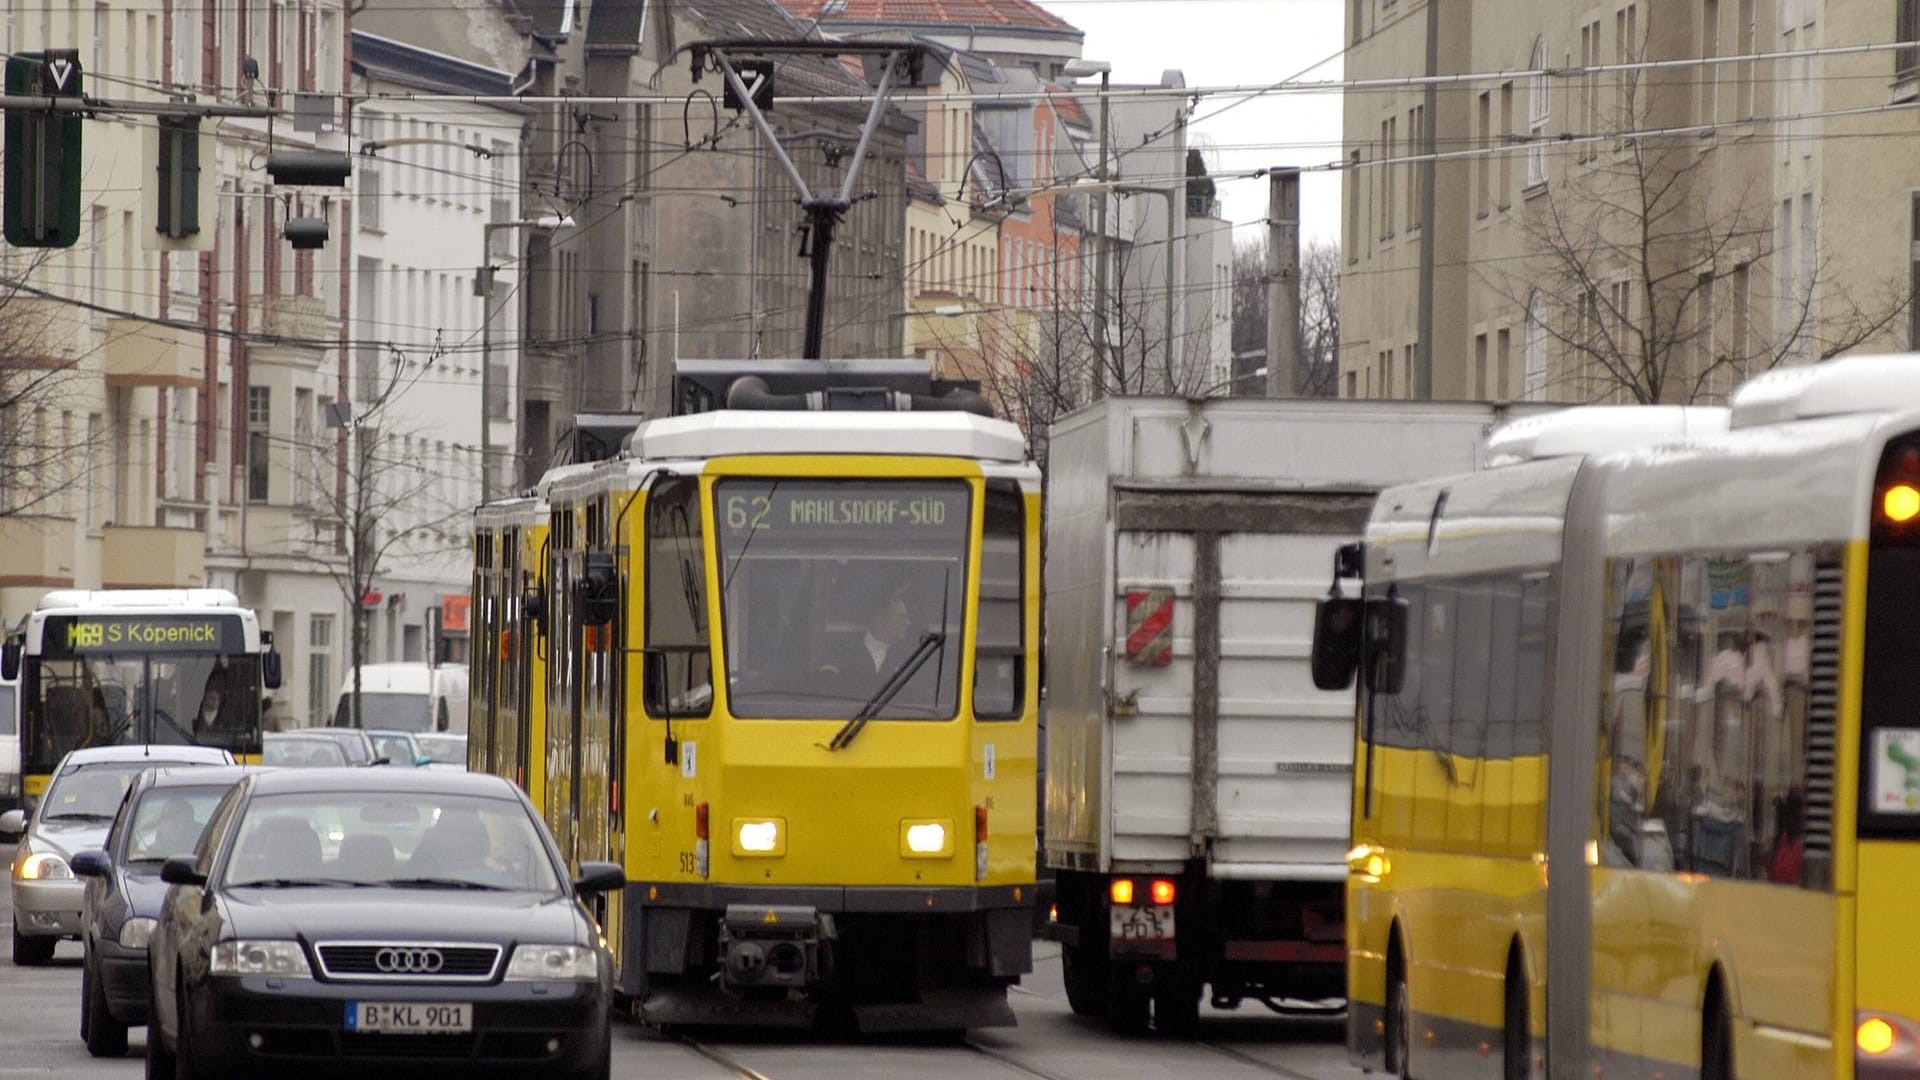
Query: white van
x=406, y=697
x=9, y=745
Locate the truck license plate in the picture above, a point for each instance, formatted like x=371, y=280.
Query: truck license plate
x=409, y=1017
x=1142, y=923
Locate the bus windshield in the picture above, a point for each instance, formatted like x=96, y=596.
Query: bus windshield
x=837, y=594
x=105, y=699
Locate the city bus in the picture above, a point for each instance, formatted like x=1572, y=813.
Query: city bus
x=1637, y=774
x=168, y=666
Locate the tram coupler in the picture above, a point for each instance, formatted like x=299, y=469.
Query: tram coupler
x=772, y=946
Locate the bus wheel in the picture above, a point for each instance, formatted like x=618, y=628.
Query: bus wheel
x=1518, y=1048
x=1399, y=1018
x=1716, y=1036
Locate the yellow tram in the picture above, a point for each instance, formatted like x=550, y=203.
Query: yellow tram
x=791, y=651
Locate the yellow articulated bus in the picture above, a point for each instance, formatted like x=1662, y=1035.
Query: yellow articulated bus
x=792, y=678
x=1637, y=773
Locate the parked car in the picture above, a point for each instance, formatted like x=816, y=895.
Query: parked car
x=399, y=748
x=73, y=816
x=406, y=697
x=355, y=744
x=161, y=817
x=475, y=949
x=446, y=751
x=286, y=751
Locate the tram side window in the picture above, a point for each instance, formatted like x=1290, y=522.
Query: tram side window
x=676, y=612
x=1470, y=726
x=999, y=689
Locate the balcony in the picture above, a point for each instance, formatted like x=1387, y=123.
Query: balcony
x=303, y=318
x=149, y=557
x=36, y=552
x=140, y=353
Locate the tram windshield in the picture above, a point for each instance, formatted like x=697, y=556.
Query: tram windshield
x=839, y=596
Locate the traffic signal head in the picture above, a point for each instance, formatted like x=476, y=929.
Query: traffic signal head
x=307, y=233
x=309, y=168
x=43, y=163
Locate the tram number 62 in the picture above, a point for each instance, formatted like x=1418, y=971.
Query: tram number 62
x=747, y=511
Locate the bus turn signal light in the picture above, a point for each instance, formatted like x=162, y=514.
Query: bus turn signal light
x=1161, y=891
x=1901, y=503
x=1121, y=891
x=1874, y=1036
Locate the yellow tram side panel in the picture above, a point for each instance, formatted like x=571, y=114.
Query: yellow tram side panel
x=537, y=646
x=835, y=817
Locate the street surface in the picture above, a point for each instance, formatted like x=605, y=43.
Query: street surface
x=40, y=1034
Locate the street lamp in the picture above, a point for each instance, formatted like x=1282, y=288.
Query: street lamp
x=1080, y=69
x=1174, y=193
x=483, y=284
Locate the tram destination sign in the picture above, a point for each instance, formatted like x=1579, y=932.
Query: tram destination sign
x=86, y=635
x=860, y=508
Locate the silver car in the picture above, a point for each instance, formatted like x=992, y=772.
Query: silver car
x=73, y=816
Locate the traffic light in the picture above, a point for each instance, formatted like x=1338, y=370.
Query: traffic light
x=42, y=196
x=177, y=177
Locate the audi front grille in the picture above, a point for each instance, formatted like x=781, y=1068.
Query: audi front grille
x=408, y=961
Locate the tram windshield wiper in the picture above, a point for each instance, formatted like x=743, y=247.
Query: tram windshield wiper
x=910, y=665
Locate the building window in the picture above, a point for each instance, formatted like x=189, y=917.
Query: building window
x=1386, y=177
x=1906, y=62
x=1709, y=73
x=1479, y=389
x=1503, y=161
x=1533, y=348
x=1502, y=346
x=1485, y=163
x=319, y=669
x=1539, y=115
x=1416, y=143
x=259, y=454
x=1749, y=45
x=1354, y=206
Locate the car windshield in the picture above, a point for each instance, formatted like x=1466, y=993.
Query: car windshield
x=167, y=822
x=400, y=712
x=397, y=749
x=414, y=839
x=92, y=791
x=302, y=753
x=837, y=594
x=444, y=749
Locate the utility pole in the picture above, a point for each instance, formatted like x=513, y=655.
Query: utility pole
x=1100, y=332
x=1423, y=350
x=1283, y=282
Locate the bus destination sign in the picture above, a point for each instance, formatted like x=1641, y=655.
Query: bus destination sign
x=83, y=635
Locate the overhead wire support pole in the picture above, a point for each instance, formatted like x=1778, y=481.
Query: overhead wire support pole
x=823, y=210
x=103, y=107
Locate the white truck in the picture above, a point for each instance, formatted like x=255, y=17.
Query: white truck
x=1197, y=785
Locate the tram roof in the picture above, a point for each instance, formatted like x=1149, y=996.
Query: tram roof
x=729, y=433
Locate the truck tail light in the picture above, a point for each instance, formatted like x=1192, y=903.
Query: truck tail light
x=1161, y=891
x=1120, y=890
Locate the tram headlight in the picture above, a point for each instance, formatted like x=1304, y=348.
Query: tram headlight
x=43, y=866
x=759, y=837
x=1880, y=1036
x=926, y=839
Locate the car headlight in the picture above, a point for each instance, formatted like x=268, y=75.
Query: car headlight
x=553, y=963
x=43, y=866
x=759, y=836
x=134, y=933
x=926, y=839
x=258, y=958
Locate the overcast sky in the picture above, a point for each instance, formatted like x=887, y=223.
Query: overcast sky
x=1221, y=42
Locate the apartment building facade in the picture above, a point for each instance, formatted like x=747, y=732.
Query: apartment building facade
x=1655, y=202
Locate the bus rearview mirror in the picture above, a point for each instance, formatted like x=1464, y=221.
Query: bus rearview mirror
x=270, y=669
x=10, y=661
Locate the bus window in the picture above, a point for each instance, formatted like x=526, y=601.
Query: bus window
x=676, y=603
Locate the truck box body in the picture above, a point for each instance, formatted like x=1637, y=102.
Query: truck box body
x=1187, y=543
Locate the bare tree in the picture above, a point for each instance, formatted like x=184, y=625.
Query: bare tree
x=1656, y=279
x=41, y=378
x=1319, y=314
x=372, y=509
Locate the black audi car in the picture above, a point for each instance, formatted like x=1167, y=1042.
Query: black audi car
x=410, y=919
x=161, y=817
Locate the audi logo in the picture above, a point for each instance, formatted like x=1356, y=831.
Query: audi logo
x=408, y=961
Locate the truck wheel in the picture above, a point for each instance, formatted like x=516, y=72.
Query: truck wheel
x=1176, y=1008
x=1086, y=981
